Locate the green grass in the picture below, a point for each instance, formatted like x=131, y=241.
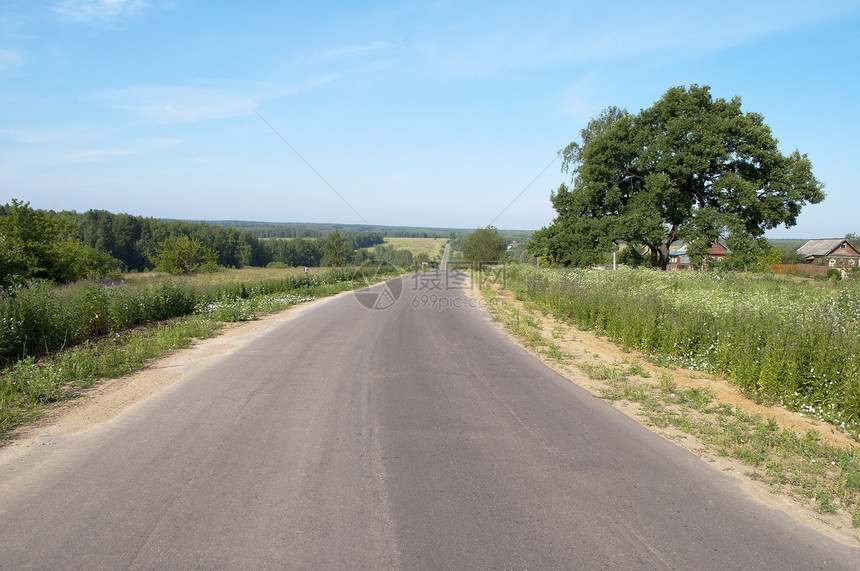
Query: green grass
x=29, y=385
x=41, y=318
x=800, y=465
x=123, y=328
x=780, y=341
x=430, y=246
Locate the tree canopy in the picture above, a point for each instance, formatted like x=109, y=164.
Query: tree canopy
x=484, y=245
x=336, y=250
x=689, y=168
x=184, y=255
x=38, y=244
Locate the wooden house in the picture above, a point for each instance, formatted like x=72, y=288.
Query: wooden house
x=680, y=259
x=831, y=252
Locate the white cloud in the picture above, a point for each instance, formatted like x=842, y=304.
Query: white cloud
x=525, y=34
x=35, y=134
x=9, y=59
x=171, y=104
x=362, y=48
x=85, y=11
x=96, y=155
x=182, y=103
x=30, y=144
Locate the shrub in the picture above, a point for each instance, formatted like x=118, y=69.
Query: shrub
x=184, y=255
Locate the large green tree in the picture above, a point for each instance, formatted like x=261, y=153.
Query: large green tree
x=40, y=244
x=484, y=245
x=184, y=255
x=336, y=250
x=689, y=168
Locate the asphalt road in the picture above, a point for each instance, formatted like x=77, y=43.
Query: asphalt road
x=414, y=437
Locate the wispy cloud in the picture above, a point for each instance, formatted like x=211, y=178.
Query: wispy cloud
x=80, y=156
x=37, y=134
x=10, y=59
x=182, y=103
x=172, y=104
x=359, y=48
x=86, y=11
x=73, y=144
x=521, y=35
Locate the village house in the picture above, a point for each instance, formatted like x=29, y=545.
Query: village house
x=831, y=252
x=680, y=260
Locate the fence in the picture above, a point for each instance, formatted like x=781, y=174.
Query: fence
x=808, y=270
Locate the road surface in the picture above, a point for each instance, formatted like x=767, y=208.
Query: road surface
x=444, y=265
x=414, y=437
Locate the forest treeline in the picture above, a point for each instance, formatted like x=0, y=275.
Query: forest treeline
x=318, y=230
x=68, y=246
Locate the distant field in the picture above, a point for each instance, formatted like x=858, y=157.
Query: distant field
x=247, y=274
x=429, y=246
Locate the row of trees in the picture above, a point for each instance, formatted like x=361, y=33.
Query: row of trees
x=35, y=244
x=318, y=230
x=67, y=246
x=135, y=241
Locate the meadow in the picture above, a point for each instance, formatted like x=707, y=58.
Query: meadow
x=430, y=246
x=784, y=341
x=56, y=340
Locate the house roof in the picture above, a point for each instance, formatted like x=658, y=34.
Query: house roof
x=682, y=249
x=821, y=246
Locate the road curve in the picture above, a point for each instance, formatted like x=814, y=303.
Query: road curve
x=412, y=437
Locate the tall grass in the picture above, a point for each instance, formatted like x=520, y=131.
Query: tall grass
x=54, y=340
x=41, y=318
x=790, y=342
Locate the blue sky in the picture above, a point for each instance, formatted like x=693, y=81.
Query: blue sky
x=415, y=113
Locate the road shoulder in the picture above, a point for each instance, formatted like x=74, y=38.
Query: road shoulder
x=571, y=347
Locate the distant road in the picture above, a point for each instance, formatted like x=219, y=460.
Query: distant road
x=415, y=437
x=444, y=265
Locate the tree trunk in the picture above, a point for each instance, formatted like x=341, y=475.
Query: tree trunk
x=660, y=255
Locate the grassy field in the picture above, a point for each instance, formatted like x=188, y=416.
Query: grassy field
x=430, y=246
x=225, y=276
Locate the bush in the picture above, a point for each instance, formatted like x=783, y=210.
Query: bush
x=184, y=255
x=37, y=244
x=484, y=245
